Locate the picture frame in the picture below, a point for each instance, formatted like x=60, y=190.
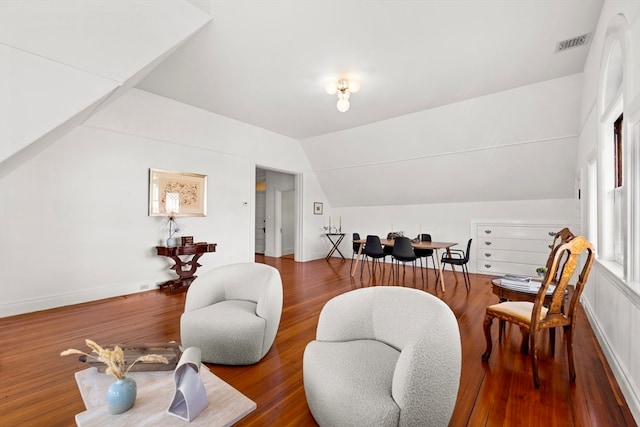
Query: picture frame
x=317, y=208
x=173, y=193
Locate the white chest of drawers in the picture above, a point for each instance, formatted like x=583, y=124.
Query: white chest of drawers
x=513, y=247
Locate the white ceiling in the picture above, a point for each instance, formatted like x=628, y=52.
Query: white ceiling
x=266, y=63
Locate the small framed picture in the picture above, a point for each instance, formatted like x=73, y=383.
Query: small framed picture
x=186, y=240
x=317, y=208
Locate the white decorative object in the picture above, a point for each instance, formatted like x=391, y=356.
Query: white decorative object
x=190, y=397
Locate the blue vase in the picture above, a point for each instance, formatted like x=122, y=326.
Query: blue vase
x=121, y=395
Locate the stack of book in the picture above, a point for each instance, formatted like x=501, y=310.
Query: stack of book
x=523, y=283
x=516, y=282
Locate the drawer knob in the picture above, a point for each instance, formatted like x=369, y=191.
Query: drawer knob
x=487, y=254
x=552, y=233
x=487, y=243
x=487, y=231
x=487, y=265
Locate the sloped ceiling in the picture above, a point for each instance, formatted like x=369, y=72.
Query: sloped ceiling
x=60, y=60
x=463, y=100
x=267, y=62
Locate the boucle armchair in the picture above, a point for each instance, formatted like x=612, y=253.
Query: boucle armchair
x=383, y=356
x=232, y=313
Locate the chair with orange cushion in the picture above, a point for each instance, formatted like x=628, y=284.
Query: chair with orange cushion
x=532, y=317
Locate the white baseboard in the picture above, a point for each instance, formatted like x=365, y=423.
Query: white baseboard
x=631, y=394
x=49, y=301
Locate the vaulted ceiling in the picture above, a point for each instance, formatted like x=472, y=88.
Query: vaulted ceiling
x=441, y=83
x=267, y=62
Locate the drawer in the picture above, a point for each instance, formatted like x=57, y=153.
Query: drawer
x=496, y=268
x=493, y=255
x=519, y=231
x=525, y=245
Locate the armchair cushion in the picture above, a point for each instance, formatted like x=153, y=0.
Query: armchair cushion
x=345, y=368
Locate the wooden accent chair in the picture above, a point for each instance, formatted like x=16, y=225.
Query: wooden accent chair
x=560, y=238
x=532, y=317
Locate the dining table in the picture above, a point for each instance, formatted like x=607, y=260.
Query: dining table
x=435, y=246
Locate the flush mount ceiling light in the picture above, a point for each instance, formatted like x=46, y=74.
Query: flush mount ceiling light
x=343, y=88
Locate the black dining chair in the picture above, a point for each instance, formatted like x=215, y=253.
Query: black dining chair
x=373, y=249
x=388, y=249
x=402, y=253
x=425, y=253
x=460, y=258
x=356, y=247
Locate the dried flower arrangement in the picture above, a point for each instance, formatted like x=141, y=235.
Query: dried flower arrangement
x=114, y=359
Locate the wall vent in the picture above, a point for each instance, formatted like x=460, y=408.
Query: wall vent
x=573, y=42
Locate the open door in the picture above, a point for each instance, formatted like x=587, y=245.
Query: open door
x=277, y=223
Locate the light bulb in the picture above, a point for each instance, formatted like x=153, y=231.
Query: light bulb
x=343, y=105
x=344, y=94
x=354, y=86
x=331, y=88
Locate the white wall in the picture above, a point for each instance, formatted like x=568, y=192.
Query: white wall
x=446, y=222
x=611, y=301
x=78, y=210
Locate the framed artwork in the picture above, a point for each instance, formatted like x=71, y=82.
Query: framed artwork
x=317, y=208
x=174, y=193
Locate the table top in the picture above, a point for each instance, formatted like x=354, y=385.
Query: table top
x=198, y=248
x=155, y=393
x=506, y=293
x=417, y=245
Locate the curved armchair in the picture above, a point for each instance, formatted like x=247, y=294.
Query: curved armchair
x=384, y=356
x=232, y=313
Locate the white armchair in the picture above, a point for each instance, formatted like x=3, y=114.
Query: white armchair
x=383, y=356
x=232, y=313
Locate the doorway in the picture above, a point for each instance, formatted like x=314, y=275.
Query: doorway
x=276, y=225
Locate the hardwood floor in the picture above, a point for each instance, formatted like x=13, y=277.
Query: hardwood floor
x=38, y=386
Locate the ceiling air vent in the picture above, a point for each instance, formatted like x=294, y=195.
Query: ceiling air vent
x=573, y=42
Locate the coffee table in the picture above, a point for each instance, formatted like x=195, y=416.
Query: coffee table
x=155, y=392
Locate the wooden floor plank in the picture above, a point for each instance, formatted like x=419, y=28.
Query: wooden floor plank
x=37, y=386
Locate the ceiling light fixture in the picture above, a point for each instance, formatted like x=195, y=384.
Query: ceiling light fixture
x=343, y=88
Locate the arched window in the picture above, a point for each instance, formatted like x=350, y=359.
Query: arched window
x=618, y=167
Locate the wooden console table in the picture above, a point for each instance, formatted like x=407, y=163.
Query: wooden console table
x=184, y=269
